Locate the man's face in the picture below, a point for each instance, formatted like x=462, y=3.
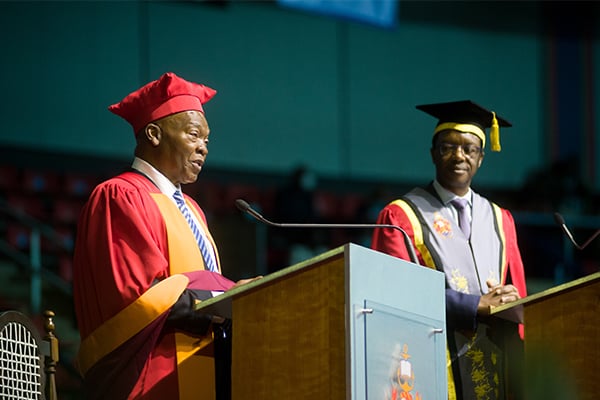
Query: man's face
x=457, y=156
x=183, y=146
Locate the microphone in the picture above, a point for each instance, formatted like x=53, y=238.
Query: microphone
x=245, y=207
x=561, y=222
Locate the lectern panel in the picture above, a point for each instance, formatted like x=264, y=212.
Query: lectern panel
x=292, y=345
x=401, y=352
x=562, y=345
x=397, y=292
x=561, y=339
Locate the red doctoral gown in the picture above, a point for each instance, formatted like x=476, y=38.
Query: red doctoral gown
x=134, y=257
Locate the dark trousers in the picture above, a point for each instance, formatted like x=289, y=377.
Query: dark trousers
x=222, y=346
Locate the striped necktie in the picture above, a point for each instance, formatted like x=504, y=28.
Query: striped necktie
x=200, y=239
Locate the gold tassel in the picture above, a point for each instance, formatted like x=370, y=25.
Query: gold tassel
x=495, y=134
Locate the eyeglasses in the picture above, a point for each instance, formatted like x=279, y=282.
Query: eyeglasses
x=469, y=150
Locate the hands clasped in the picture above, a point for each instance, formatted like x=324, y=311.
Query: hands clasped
x=497, y=295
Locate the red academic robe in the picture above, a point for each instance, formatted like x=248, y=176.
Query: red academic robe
x=134, y=256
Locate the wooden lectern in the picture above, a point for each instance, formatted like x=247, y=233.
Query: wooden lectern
x=562, y=339
x=352, y=323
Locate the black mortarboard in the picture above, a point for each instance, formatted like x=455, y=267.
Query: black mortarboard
x=466, y=116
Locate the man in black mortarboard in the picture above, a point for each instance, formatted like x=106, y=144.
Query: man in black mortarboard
x=473, y=242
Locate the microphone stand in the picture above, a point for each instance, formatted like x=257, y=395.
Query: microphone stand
x=245, y=207
x=561, y=222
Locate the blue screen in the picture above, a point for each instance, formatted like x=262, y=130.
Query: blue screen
x=375, y=12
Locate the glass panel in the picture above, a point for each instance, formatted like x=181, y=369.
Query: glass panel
x=405, y=355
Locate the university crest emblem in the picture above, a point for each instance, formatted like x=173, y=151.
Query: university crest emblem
x=441, y=225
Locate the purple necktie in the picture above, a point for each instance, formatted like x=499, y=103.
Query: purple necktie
x=463, y=218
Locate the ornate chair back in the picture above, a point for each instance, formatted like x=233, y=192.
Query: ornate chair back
x=27, y=360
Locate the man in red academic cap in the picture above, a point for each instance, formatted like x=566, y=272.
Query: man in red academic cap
x=144, y=257
x=473, y=242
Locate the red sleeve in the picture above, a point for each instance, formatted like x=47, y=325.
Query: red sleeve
x=121, y=249
x=389, y=240
x=513, y=255
x=513, y=259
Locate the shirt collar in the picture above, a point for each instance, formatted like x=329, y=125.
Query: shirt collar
x=447, y=196
x=162, y=182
